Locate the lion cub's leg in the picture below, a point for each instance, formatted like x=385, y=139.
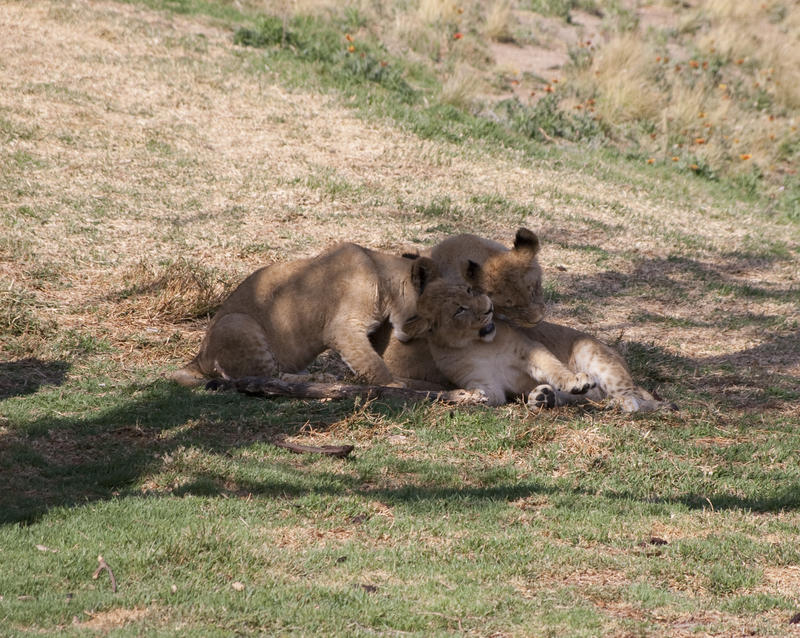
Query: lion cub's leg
x=608, y=369
x=544, y=366
x=234, y=347
x=351, y=341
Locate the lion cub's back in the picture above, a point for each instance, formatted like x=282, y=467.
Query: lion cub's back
x=307, y=291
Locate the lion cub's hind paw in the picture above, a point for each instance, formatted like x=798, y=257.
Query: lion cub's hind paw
x=542, y=396
x=471, y=396
x=582, y=384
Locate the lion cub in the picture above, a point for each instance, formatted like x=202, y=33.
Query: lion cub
x=476, y=353
x=512, y=279
x=282, y=316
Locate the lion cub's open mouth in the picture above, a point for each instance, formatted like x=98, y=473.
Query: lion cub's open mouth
x=487, y=332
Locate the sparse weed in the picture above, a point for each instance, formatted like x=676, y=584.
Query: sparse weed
x=19, y=314
x=177, y=291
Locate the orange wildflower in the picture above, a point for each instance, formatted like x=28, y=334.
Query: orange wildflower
x=745, y=156
x=351, y=49
x=348, y=37
x=651, y=161
x=694, y=64
x=548, y=89
x=675, y=159
x=740, y=61
x=699, y=140
x=694, y=167
x=458, y=35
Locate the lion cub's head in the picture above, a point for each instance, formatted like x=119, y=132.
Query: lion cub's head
x=513, y=280
x=452, y=314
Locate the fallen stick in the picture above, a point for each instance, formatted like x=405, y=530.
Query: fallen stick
x=270, y=387
x=337, y=451
x=102, y=564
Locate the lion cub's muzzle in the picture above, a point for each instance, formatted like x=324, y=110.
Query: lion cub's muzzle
x=488, y=330
x=527, y=317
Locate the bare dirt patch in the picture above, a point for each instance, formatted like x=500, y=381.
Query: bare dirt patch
x=106, y=621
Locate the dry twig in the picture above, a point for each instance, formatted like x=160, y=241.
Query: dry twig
x=338, y=451
x=102, y=564
x=270, y=387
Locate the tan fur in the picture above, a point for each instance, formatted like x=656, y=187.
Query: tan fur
x=511, y=277
x=577, y=350
x=475, y=353
x=282, y=316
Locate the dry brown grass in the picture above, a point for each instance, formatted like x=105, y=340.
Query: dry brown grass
x=184, y=156
x=461, y=88
x=500, y=21
x=178, y=291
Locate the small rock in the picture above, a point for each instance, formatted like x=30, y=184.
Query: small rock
x=237, y=586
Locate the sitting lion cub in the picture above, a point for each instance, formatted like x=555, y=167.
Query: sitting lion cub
x=475, y=353
x=284, y=315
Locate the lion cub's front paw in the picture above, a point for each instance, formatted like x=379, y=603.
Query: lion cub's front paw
x=542, y=396
x=581, y=384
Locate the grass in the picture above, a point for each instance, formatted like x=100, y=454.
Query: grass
x=193, y=142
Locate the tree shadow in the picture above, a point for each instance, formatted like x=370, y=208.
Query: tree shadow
x=26, y=376
x=63, y=461
x=685, y=283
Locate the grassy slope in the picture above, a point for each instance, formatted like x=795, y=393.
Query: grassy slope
x=140, y=143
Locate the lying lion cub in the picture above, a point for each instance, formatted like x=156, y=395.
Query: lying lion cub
x=476, y=353
x=284, y=315
x=512, y=279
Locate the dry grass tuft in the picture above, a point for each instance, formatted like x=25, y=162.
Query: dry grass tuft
x=499, y=22
x=18, y=314
x=180, y=291
x=621, y=76
x=461, y=88
x=433, y=11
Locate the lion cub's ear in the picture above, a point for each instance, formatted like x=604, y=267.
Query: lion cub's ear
x=471, y=272
x=423, y=271
x=526, y=240
x=416, y=327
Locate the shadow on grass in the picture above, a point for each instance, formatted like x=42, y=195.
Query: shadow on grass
x=63, y=461
x=26, y=376
x=746, y=308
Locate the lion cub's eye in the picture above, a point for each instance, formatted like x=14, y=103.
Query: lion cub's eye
x=469, y=290
x=461, y=310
